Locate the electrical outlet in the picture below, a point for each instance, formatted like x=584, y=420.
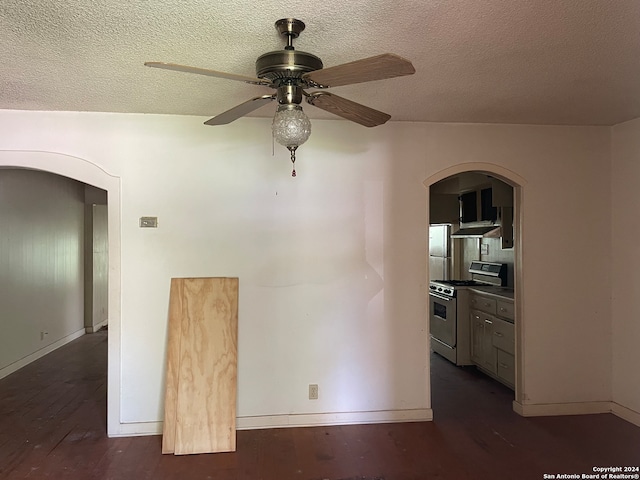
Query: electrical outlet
x=313, y=391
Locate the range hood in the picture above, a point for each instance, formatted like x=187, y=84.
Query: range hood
x=480, y=231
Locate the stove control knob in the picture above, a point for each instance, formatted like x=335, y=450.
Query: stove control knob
x=448, y=291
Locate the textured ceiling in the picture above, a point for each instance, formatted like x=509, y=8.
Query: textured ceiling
x=571, y=62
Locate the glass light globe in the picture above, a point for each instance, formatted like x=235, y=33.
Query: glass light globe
x=291, y=126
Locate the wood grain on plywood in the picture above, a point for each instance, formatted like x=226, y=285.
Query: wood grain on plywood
x=207, y=371
x=173, y=366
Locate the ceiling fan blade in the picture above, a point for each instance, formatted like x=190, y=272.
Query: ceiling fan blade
x=209, y=73
x=379, y=67
x=240, y=110
x=344, y=108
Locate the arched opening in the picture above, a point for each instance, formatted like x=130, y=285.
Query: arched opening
x=90, y=174
x=468, y=179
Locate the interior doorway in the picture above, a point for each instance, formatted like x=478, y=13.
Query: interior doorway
x=96, y=259
x=54, y=264
x=89, y=173
x=461, y=197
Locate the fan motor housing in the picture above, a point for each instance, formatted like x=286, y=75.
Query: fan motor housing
x=285, y=65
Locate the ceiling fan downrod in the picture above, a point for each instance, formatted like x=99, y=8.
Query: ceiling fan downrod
x=291, y=28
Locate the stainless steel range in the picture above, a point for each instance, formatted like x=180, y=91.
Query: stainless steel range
x=449, y=321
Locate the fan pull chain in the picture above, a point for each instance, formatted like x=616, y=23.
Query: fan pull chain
x=293, y=159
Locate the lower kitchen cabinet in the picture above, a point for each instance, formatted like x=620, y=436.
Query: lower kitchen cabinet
x=503, y=337
x=483, y=353
x=506, y=368
x=492, y=337
x=477, y=337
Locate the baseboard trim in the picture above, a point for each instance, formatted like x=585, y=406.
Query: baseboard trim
x=553, y=409
x=582, y=408
x=625, y=413
x=96, y=327
x=135, y=429
x=336, y=418
x=23, y=362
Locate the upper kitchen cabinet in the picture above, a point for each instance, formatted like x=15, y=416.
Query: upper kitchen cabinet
x=503, y=198
x=477, y=206
x=481, y=204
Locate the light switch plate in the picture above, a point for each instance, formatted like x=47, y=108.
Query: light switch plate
x=148, y=222
x=484, y=249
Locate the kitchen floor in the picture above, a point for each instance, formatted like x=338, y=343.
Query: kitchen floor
x=52, y=425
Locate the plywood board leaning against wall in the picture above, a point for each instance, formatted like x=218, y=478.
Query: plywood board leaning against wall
x=202, y=354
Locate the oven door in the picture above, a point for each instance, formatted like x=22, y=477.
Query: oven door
x=442, y=319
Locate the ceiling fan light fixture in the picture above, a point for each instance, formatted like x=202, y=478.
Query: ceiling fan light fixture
x=291, y=126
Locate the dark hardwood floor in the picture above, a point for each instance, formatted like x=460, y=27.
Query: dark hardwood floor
x=52, y=425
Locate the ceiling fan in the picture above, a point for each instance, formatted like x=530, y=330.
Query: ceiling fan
x=290, y=72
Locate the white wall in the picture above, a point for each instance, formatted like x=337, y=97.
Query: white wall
x=96, y=267
x=626, y=267
x=41, y=264
x=332, y=263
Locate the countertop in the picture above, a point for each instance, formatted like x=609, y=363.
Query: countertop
x=500, y=292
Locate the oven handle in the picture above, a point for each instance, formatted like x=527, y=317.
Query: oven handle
x=441, y=297
x=442, y=343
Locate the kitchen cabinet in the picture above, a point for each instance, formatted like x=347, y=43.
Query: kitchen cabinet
x=502, y=197
x=483, y=353
x=504, y=309
x=483, y=303
x=503, y=336
x=478, y=206
x=493, y=336
x=506, y=369
x=503, y=340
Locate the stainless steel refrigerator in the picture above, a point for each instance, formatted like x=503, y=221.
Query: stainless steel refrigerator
x=440, y=252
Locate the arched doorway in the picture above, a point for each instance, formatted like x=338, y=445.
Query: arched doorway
x=91, y=174
x=517, y=183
